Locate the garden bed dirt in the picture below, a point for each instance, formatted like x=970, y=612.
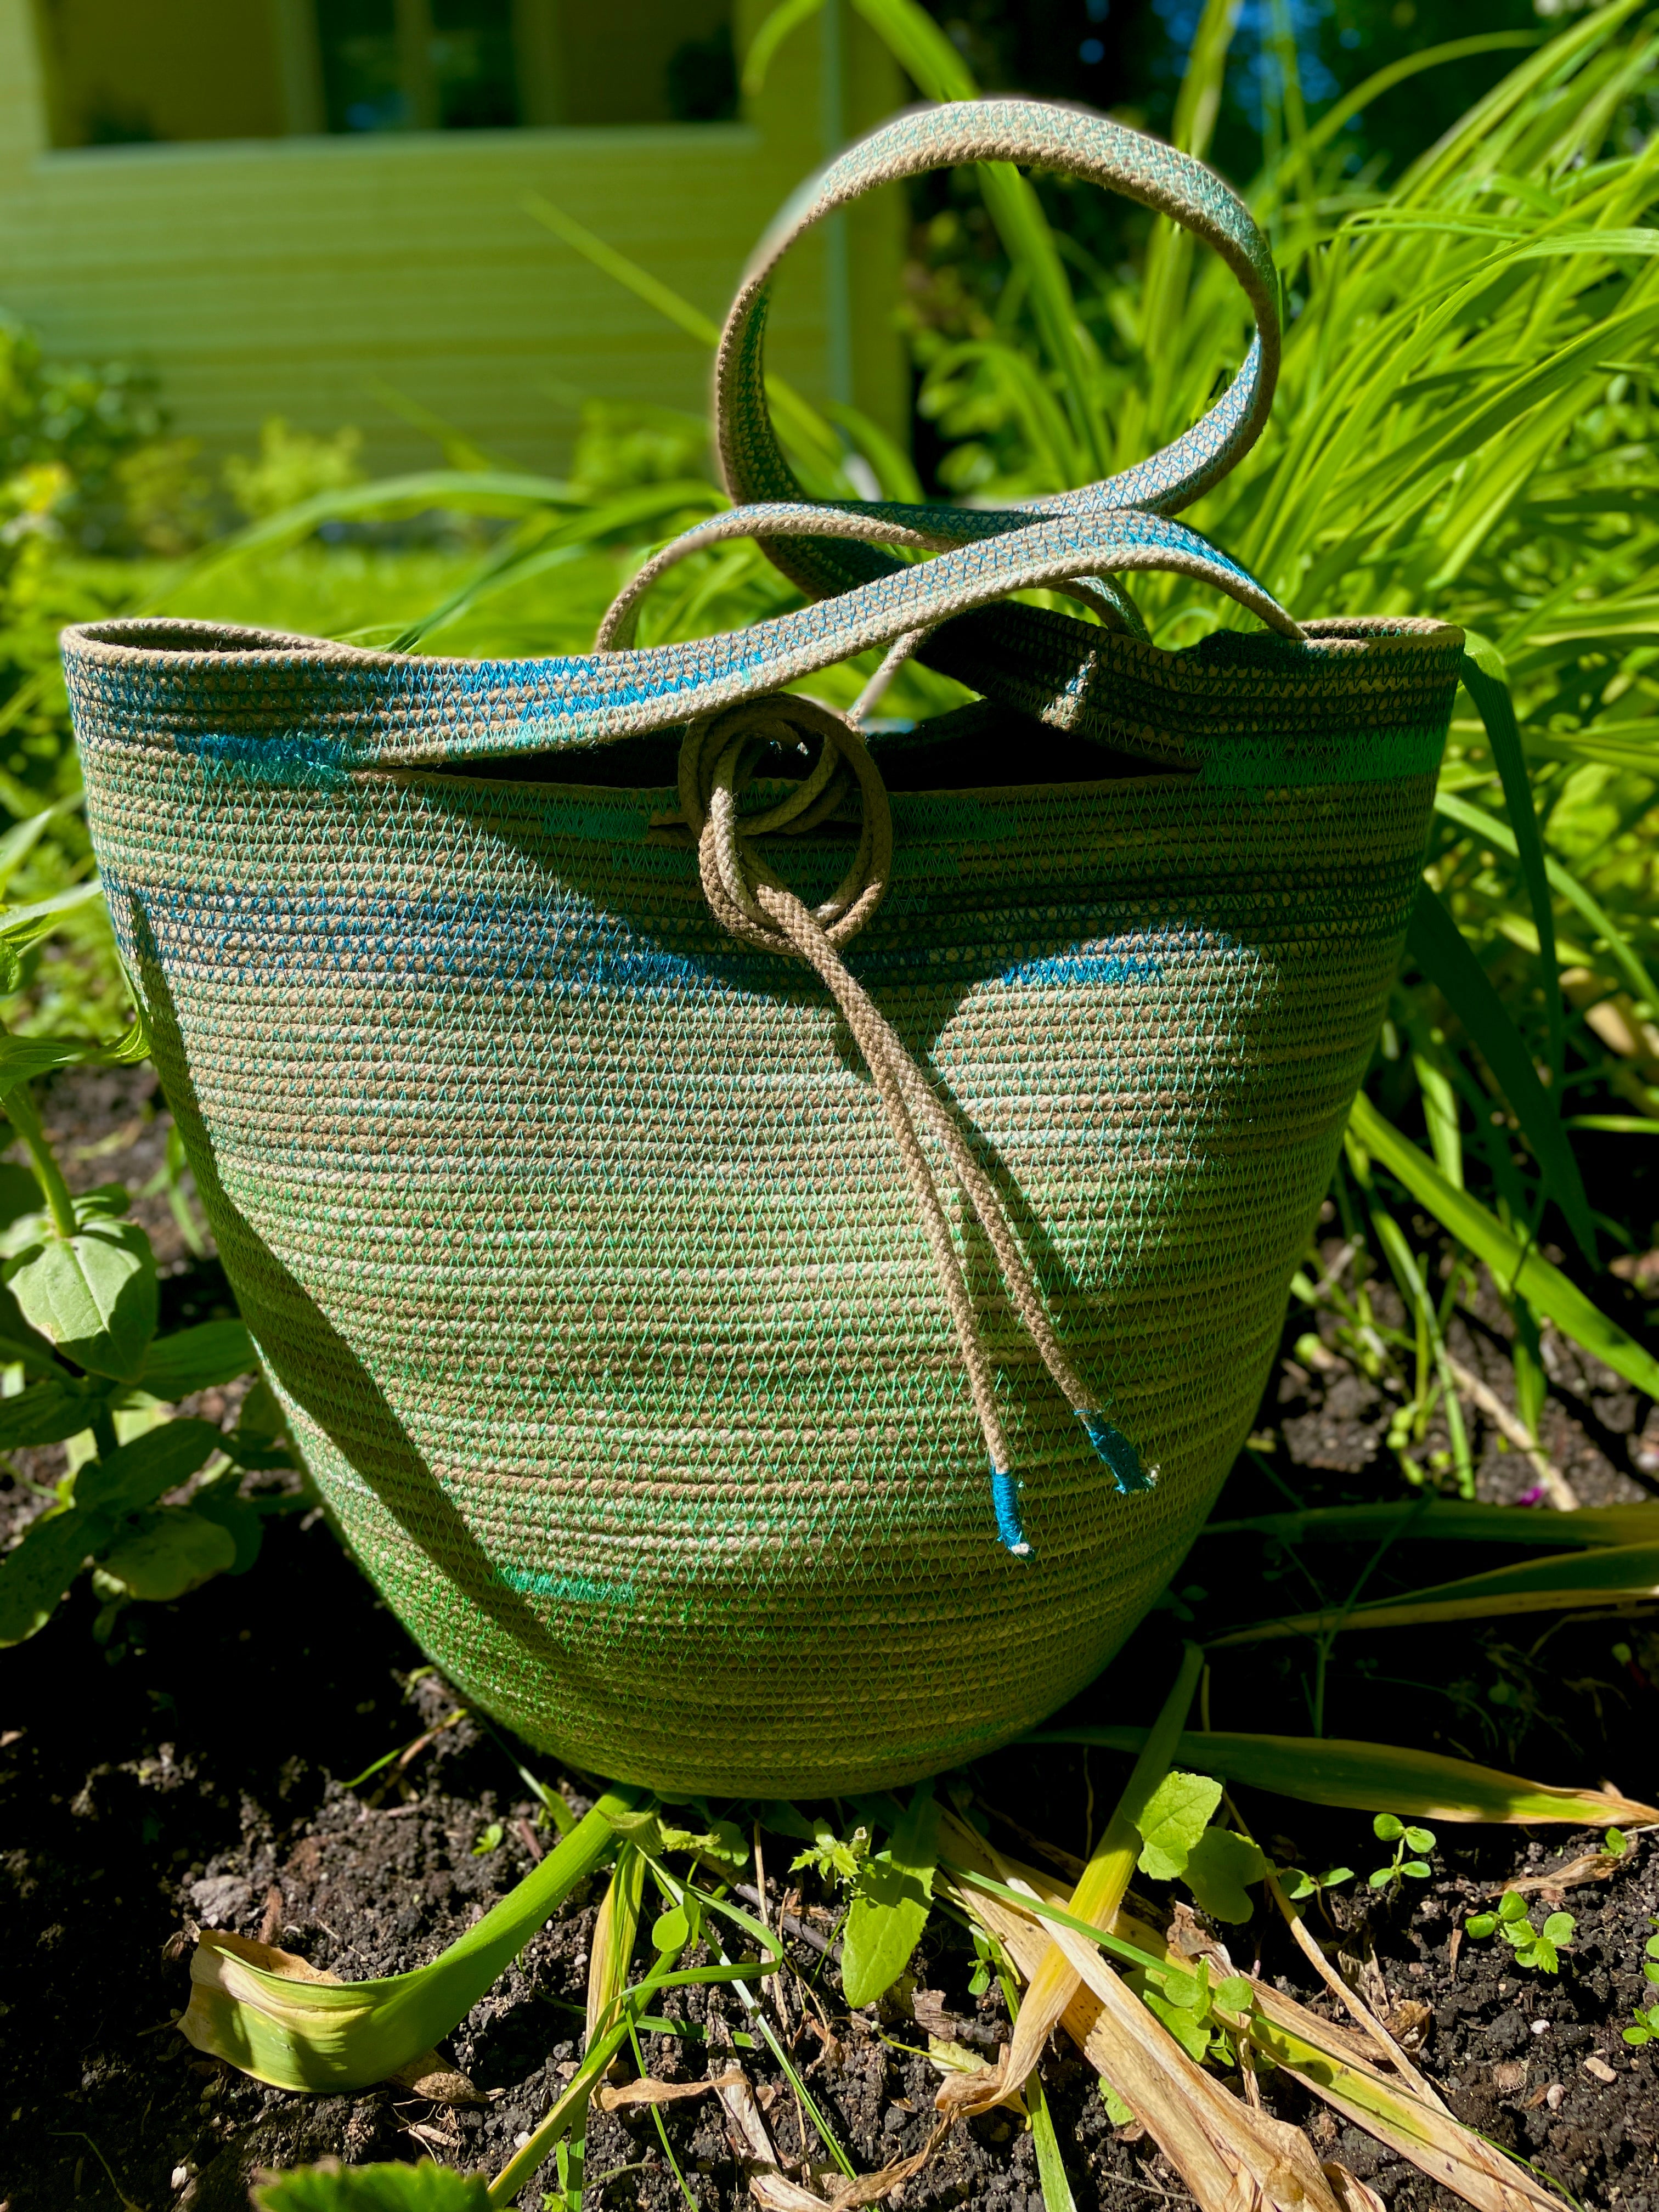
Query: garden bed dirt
x=201, y=1768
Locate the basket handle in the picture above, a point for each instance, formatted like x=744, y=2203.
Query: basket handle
x=1077, y=145
x=980, y=557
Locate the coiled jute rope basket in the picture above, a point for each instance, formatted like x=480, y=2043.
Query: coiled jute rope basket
x=770, y=1238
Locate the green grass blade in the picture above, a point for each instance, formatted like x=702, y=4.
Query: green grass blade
x=1051, y=2167
x=1403, y=1264
x=1624, y=1574
x=1341, y=112
x=769, y=37
x=670, y=305
x=1438, y=947
x=1441, y=1521
x=1519, y=1269
x=1562, y=880
x=797, y=418
x=1372, y=1777
x=1491, y=698
x=923, y=50
x=920, y=48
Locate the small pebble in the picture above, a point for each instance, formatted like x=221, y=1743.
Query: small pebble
x=1555, y=2096
x=1601, y=2070
x=1540, y=2027
x=521, y=2139
x=180, y=2176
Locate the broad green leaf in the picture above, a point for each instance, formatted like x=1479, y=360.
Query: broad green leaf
x=243, y=1523
x=1188, y=2031
x=49, y=1411
x=1520, y=1270
x=1176, y=1815
x=18, y=1192
x=670, y=1930
x=131, y=1477
x=1343, y=1771
x=1218, y=1870
x=92, y=1295
x=22, y=1058
x=35, y=1574
x=331, y=2187
x=339, y=2036
x=200, y=1358
x=167, y=1553
x=1438, y=947
x=890, y=1904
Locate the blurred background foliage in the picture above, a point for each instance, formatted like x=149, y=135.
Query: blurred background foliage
x=1461, y=200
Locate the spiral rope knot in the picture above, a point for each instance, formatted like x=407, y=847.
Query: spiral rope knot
x=753, y=904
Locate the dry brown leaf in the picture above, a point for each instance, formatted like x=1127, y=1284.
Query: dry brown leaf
x=1350, y=1997
x=1352, y=2194
x=959, y=2096
x=778, y=2194
x=432, y=2076
x=649, y=2091
x=1435, y=2142
x=1344, y=2077
x=1232, y=2159
x=1407, y=2022
x=1598, y=1866
x=750, y=2141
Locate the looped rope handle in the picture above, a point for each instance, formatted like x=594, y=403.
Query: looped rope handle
x=1076, y=144
x=755, y=905
x=1072, y=541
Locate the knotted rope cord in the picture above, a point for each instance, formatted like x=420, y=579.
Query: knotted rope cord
x=755, y=905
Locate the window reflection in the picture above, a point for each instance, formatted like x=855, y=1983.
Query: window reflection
x=120, y=73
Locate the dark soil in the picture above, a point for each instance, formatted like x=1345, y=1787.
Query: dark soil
x=194, y=1771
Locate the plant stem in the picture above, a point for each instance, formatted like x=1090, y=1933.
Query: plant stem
x=103, y=1432
x=21, y=1113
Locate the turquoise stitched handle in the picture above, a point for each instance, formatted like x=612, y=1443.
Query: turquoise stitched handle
x=1077, y=145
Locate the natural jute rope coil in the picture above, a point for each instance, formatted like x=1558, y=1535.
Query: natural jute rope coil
x=752, y=901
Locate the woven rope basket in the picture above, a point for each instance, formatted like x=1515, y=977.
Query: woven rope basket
x=647, y=1279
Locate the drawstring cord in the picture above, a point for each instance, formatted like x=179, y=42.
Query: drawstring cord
x=755, y=905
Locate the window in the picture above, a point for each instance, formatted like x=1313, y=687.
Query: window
x=120, y=73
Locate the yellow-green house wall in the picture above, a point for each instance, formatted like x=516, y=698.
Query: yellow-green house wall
x=290, y=275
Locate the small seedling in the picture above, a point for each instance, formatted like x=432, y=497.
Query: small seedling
x=1645, y=2028
x=490, y=1840
x=1388, y=1830
x=1533, y=1947
x=1651, y=1954
x=831, y=1858
x=1298, y=1884
x=1187, y=2005
x=984, y=1964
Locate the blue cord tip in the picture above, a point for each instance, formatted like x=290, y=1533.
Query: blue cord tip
x=1128, y=1471
x=1005, y=1496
